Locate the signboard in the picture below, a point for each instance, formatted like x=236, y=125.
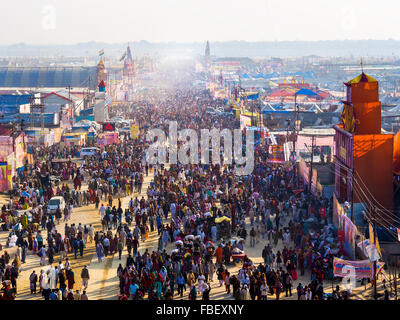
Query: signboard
x=298, y=125
x=134, y=131
x=244, y=122
x=108, y=138
x=6, y=147
x=343, y=153
x=5, y=177
x=322, y=212
x=293, y=156
x=108, y=126
x=277, y=154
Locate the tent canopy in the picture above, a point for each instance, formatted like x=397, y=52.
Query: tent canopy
x=306, y=92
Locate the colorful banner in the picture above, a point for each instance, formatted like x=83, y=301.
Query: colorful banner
x=373, y=240
x=5, y=178
x=244, y=122
x=6, y=147
x=363, y=268
x=303, y=170
x=349, y=235
x=338, y=212
x=20, y=153
x=276, y=154
x=134, y=131
x=107, y=138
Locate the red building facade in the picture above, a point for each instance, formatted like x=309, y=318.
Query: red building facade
x=364, y=156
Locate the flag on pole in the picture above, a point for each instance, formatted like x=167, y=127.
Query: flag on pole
x=374, y=239
x=123, y=56
x=101, y=52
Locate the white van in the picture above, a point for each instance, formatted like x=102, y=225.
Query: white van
x=54, y=203
x=88, y=152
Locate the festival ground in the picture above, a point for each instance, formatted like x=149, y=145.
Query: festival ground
x=104, y=282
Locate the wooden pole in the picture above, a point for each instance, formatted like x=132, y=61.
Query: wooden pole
x=375, y=275
x=395, y=278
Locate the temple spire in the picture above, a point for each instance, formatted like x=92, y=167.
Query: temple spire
x=207, y=52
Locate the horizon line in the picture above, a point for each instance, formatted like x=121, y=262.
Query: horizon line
x=192, y=42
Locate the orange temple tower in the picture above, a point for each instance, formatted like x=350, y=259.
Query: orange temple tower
x=364, y=156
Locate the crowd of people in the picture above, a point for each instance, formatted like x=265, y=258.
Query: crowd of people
x=206, y=217
x=187, y=201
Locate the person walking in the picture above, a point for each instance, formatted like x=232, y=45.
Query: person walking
x=84, y=295
x=85, y=277
x=120, y=248
x=33, y=278
x=252, y=237
x=289, y=284
x=181, y=284
x=99, y=251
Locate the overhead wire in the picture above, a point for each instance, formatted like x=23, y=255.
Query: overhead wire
x=387, y=224
x=386, y=212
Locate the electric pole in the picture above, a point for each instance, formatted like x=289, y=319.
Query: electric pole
x=313, y=140
x=71, y=104
x=296, y=116
x=352, y=195
x=375, y=241
x=295, y=123
x=37, y=108
x=395, y=277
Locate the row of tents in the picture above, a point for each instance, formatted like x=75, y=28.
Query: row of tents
x=306, y=75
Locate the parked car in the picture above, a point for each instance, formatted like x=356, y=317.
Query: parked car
x=88, y=152
x=211, y=111
x=56, y=202
x=125, y=129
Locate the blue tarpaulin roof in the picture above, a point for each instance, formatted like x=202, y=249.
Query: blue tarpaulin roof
x=6, y=109
x=48, y=77
x=272, y=75
x=49, y=118
x=252, y=96
x=13, y=99
x=306, y=92
x=258, y=76
x=276, y=112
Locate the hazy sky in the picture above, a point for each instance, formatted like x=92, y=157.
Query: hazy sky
x=73, y=21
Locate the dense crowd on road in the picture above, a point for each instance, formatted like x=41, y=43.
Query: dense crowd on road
x=205, y=216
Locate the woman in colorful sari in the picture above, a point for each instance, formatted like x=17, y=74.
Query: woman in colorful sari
x=64, y=174
x=99, y=251
x=70, y=278
x=17, y=263
x=218, y=254
x=30, y=240
x=158, y=286
x=35, y=246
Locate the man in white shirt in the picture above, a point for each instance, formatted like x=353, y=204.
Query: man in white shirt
x=102, y=211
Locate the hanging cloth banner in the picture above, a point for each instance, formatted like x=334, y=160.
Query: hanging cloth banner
x=369, y=249
x=362, y=269
x=375, y=241
x=349, y=236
